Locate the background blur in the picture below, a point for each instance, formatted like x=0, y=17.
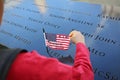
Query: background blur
x=110, y=2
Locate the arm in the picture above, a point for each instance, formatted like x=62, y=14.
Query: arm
x=82, y=68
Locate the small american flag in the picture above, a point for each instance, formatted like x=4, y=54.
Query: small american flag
x=57, y=41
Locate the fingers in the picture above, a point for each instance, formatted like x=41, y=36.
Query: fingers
x=76, y=37
x=72, y=33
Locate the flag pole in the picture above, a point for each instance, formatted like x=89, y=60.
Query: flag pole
x=45, y=39
x=44, y=35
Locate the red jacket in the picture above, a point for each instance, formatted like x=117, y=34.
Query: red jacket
x=33, y=66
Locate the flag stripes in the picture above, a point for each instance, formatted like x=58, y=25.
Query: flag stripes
x=57, y=41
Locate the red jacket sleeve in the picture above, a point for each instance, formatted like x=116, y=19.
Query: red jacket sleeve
x=82, y=65
x=32, y=66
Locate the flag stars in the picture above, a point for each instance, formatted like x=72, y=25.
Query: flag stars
x=61, y=36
